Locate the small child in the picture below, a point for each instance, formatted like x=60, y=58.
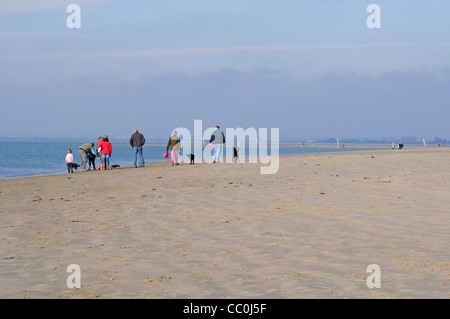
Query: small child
x=69, y=161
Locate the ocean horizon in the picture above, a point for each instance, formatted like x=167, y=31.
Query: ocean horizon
x=27, y=159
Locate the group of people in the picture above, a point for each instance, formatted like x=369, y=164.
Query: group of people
x=88, y=151
x=217, y=140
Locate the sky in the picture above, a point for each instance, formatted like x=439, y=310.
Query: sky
x=312, y=68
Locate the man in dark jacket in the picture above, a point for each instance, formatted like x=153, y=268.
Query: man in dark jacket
x=137, y=140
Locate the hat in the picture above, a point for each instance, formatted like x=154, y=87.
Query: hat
x=106, y=136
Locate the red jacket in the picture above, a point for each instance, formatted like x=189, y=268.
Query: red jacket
x=106, y=147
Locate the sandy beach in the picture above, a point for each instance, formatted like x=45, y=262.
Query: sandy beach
x=226, y=231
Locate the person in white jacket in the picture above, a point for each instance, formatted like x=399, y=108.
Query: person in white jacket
x=69, y=161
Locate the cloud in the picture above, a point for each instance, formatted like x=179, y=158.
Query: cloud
x=395, y=104
x=26, y=35
x=209, y=50
x=235, y=49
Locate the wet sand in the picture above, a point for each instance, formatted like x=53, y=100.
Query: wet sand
x=226, y=231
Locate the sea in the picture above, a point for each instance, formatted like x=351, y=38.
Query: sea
x=27, y=159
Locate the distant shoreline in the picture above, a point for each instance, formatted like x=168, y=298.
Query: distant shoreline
x=159, y=141
x=350, y=148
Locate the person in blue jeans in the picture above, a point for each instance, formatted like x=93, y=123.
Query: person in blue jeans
x=137, y=140
x=217, y=140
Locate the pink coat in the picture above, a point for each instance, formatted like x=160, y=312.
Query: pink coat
x=69, y=158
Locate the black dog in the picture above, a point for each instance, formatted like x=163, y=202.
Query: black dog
x=191, y=157
x=71, y=166
x=235, y=154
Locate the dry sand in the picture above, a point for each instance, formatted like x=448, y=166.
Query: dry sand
x=226, y=231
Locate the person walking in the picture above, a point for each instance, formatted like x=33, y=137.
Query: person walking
x=217, y=140
x=174, y=145
x=105, y=151
x=83, y=150
x=137, y=140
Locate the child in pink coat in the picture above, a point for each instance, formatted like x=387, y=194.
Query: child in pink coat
x=69, y=161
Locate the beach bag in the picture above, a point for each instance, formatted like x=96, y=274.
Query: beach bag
x=166, y=155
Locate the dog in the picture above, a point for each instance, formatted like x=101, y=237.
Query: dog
x=71, y=166
x=115, y=166
x=235, y=154
x=191, y=157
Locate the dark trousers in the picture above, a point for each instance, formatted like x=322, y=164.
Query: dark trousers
x=91, y=161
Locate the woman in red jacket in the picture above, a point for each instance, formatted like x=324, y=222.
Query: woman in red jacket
x=105, y=150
